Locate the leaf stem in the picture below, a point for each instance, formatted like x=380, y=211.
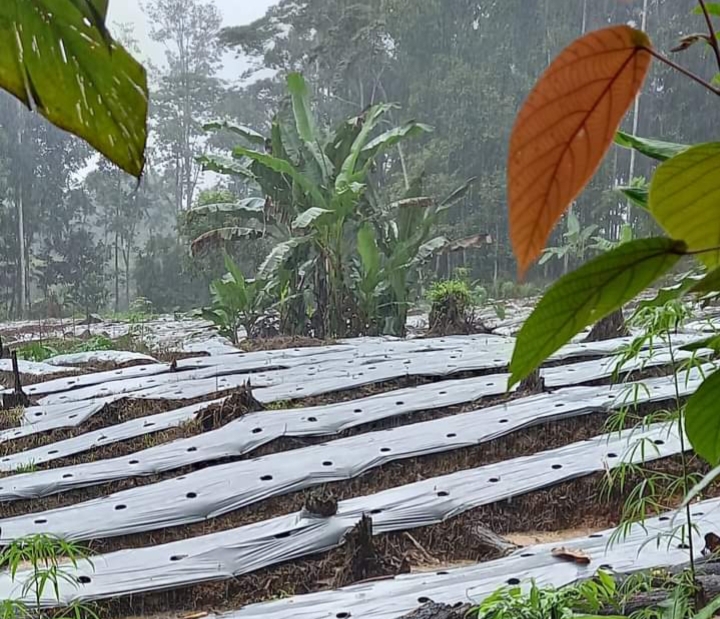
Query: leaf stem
x=713, y=38
x=683, y=70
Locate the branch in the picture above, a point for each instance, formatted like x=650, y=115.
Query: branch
x=683, y=70
x=713, y=39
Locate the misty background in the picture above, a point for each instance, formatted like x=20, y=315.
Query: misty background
x=78, y=235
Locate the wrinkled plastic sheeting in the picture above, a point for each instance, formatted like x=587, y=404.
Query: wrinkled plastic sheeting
x=497, y=351
x=393, y=598
x=105, y=436
x=595, y=369
x=38, y=419
x=285, y=538
x=33, y=368
x=246, y=434
x=217, y=490
x=100, y=356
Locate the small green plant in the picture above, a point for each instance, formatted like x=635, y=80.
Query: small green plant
x=49, y=560
x=582, y=600
x=654, y=491
x=452, y=310
x=36, y=351
x=28, y=467
x=236, y=303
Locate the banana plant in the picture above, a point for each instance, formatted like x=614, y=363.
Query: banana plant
x=404, y=241
x=314, y=186
x=236, y=303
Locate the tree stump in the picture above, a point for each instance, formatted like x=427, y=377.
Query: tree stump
x=362, y=560
x=533, y=384
x=321, y=504
x=608, y=328
x=18, y=398
x=239, y=404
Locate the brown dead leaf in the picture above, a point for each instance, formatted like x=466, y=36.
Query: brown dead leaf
x=572, y=555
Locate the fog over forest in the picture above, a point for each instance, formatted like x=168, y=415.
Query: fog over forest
x=80, y=234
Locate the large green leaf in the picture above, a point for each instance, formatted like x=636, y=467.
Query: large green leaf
x=709, y=283
x=300, y=94
x=457, y=195
x=305, y=125
x=284, y=167
x=393, y=137
x=429, y=249
x=309, y=217
x=241, y=208
x=246, y=133
x=638, y=196
x=670, y=293
x=58, y=59
x=277, y=257
x=367, y=123
x=685, y=200
x=702, y=422
x=225, y=165
x=368, y=249
x=215, y=238
x=590, y=293
x=656, y=149
x=712, y=7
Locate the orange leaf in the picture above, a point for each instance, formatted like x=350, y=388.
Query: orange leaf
x=565, y=128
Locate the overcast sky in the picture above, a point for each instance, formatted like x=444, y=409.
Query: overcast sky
x=235, y=12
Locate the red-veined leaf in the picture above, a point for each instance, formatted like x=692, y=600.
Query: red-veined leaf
x=566, y=126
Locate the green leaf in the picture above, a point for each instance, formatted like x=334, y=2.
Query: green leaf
x=215, y=238
x=457, y=195
x=234, y=270
x=712, y=342
x=709, y=611
x=283, y=167
x=651, y=148
x=638, y=196
x=367, y=124
x=309, y=217
x=709, y=283
x=669, y=293
x=715, y=81
x=368, y=249
x=224, y=165
x=249, y=206
x=277, y=257
x=305, y=124
x=429, y=249
x=392, y=137
x=246, y=133
x=684, y=200
x=58, y=59
x=300, y=94
x=702, y=423
x=592, y=292
x=712, y=7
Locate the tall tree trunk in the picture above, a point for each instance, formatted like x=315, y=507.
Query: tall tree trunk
x=117, y=274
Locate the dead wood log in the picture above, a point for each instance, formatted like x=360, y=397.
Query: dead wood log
x=533, y=384
x=485, y=538
x=431, y=610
